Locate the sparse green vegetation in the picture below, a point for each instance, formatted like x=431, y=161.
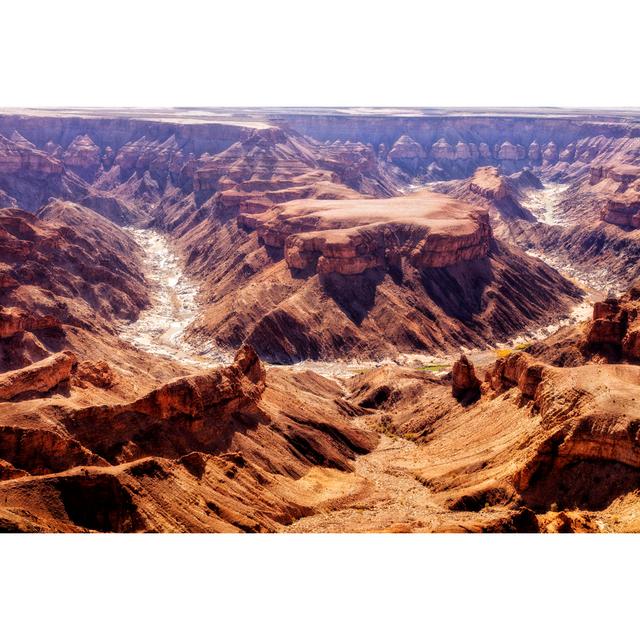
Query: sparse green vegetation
x=435, y=367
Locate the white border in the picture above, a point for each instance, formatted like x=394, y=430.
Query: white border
x=321, y=53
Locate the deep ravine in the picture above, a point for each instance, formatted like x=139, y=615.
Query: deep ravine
x=160, y=329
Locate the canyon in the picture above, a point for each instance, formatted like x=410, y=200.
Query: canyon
x=319, y=320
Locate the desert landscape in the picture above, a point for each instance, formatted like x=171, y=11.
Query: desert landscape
x=319, y=320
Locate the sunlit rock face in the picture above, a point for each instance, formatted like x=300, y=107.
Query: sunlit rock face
x=83, y=157
x=351, y=236
x=182, y=282
x=442, y=150
x=407, y=153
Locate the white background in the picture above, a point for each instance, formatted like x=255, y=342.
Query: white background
x=319, y=53
x=187, y=53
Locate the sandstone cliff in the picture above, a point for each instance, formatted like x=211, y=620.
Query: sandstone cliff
x=350, y=236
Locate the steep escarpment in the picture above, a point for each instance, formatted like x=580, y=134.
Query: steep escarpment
x=348, y=237
x=622, y=204
x=501, y=195
x=70, y=263
x=305, y=235
x=375, y=277
x=612, y=335
x=67, y=279
x=442, y=145
x=30, y=176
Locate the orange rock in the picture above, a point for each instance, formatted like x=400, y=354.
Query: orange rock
x=465, y=383
x=37, y=378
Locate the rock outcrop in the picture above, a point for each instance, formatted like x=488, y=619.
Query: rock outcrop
x=407, y=154
x=623, y=210
x=615, y=327
x=219, y=451
x=182, y=412
x=465, y=385
x=24, y=160
x=509, y=151
x=14, y=320
x=70, y=265
x=516, y=370
x=38, y=378
x=488, y=183
x=83, y=156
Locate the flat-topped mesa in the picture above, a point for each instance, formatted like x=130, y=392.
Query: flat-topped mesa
x=426, y=229
x=488, y=183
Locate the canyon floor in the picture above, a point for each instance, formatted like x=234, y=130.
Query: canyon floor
x=319, y=321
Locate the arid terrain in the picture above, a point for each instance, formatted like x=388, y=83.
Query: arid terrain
x=319, y=320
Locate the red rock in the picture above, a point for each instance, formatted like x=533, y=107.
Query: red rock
x=350, y=236
x=41, y=451
x=550, y=152
x=534, y=154
x=463, y=151
x=484, y=151
x=98, y=374
x=13, y=320
x=517, y=369
x=488, y=183
x=568, y=153
x=465, y=383
x=37, y=378
x=508, y=151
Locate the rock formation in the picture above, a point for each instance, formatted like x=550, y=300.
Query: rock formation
x=83, y=157
x=302, y=249
x=350, y=236
x=37, y=378
x=616, y=326
x=407, y=153
x=464, y=382
x=489, y=184
x=226, y=436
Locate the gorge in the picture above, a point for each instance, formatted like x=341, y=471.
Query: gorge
x=319, y=320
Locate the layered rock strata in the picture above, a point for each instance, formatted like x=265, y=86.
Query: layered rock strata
x=350, y=236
